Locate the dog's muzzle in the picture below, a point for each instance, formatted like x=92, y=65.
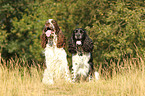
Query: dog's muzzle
x=49, y=33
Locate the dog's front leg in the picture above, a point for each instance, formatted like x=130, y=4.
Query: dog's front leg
x=75, y=71
x=47, y=77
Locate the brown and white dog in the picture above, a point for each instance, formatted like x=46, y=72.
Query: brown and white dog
x=53, y=42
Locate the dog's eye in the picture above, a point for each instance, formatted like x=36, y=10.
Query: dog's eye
x=81, y=31
x=76, y=31
x=53, y=21
x=47, y=24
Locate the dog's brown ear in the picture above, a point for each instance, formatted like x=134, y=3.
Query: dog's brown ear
x=61, y=40
x=44, y=40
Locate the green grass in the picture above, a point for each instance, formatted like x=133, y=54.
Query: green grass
x=128, y=80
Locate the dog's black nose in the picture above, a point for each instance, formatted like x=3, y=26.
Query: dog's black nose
x=78, y=35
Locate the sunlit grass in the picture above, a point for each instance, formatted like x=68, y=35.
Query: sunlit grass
x=126, y=80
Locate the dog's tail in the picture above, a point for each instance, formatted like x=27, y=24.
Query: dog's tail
x=96, y=75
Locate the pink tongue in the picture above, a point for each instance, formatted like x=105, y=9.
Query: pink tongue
x=79, y=42
x=48, y=32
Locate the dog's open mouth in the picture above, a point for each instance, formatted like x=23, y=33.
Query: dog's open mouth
x=78, y=43
x=49, y=33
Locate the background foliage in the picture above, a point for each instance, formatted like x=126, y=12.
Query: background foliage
x=117, y=27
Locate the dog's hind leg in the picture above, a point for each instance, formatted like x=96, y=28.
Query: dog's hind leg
x=67, y=75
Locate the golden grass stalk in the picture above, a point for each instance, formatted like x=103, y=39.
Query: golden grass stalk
x=126, y=79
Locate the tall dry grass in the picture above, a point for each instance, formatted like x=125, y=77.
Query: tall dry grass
x=126, y=79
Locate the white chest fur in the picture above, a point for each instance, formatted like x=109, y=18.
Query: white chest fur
x=56, y=65
x=80, y=64
x=54, y=54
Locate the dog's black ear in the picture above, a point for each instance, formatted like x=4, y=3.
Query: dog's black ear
x=88, y=44
x=72, y=45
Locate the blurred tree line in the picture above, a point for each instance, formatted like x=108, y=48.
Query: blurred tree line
x=117, y=27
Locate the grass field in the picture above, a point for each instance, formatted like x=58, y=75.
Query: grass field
x=126, y=80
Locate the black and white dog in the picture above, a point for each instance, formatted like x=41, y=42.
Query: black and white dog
x=81, y=47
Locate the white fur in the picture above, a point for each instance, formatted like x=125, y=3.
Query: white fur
x=56, y=65
x=80, y=65
x=51, y=23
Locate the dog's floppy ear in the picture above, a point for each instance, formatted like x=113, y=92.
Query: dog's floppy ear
x=61, y=40
x=44, y=40
x=72, y=45
x=88, y=44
